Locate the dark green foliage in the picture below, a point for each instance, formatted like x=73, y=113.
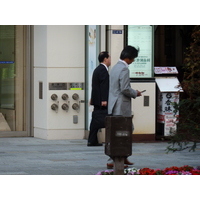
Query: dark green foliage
x=188, y=128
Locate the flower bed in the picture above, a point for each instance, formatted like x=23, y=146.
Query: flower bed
x=185, y=170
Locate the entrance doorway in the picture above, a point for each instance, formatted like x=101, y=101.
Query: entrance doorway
x=13, y=81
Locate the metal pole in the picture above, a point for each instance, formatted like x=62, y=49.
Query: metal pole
x=119, y=166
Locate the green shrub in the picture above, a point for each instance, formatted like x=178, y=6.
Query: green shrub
x=188, y=127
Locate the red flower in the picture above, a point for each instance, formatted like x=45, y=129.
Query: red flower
x=147, y=171
x=195, y=172
x=186, y=168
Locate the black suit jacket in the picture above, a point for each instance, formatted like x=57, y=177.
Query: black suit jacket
x=100, y=85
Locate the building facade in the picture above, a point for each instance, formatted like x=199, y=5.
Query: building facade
x=45, y=78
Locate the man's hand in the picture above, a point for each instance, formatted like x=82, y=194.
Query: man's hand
x=104, y=103
x=138, y=93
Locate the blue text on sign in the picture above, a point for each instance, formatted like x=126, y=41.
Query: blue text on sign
x=117, y=32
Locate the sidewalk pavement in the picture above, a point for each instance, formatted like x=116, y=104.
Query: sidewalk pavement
x=34, y=156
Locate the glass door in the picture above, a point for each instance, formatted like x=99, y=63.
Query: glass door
x=13, y=118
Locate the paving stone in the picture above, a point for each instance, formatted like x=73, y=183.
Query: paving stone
x=34, y=156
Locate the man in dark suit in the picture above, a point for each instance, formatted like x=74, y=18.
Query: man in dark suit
x=99, y=97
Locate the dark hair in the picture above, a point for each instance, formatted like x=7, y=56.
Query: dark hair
x=102, y=55
x=129, y=52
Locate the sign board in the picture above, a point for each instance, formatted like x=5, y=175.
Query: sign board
x=141, y=36
x=117, y=32
x=165, y=70
x=168, y=84
x=165, y=105
x=170, y=125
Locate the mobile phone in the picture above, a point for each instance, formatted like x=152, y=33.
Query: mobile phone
x=143, y=91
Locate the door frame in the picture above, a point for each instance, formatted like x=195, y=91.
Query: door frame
x=23, y=44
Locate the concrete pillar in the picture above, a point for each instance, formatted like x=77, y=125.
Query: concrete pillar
x=115, y=44
x=59, y=62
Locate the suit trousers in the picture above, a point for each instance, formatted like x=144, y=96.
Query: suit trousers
x=97, y=122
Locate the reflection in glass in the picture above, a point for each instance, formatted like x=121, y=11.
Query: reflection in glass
x=7, y=77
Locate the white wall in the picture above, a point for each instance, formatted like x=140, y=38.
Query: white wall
x=115, y=43
x=66, y=46
x=59, y=56
x=144, y=116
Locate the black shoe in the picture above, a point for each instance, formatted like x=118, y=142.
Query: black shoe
x=97, y=144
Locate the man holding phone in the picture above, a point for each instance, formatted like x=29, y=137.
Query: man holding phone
x=120, y=91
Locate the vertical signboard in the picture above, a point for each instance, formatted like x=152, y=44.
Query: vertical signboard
x=140, y=36
x=165, y=105
x=170, y=125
